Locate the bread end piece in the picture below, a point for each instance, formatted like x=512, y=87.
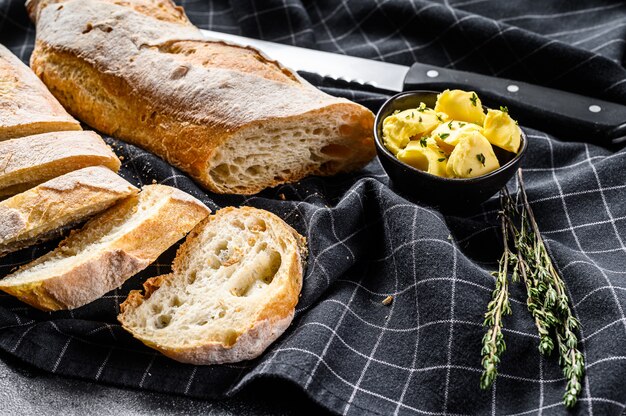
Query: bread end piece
x=232, y=292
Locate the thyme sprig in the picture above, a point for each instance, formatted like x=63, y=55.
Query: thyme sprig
x=493, y=341
x=558, y=304
x=535, y=289
x=526, y=259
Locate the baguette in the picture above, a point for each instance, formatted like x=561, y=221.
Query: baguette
x=233, y=289
x=228, y=116
x=26, y=105
x=28, y=161
x=40, y=213
x=109, y=249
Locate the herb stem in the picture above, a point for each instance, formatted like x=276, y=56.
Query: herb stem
x=493, y=341
x=528, y=260
x=556, y=305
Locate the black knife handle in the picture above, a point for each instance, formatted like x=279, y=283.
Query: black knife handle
x=564, y=114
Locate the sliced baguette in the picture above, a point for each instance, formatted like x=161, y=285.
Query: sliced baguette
x=26, y=105
x=39, y=213
x=109, y=249
x=233, y=289
x=28, y=161
x=139, y=70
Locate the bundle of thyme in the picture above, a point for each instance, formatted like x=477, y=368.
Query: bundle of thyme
x=525, y=258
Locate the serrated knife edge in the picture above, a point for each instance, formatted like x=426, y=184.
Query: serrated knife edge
x=381, y=75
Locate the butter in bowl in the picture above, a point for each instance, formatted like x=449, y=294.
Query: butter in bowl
x=445, y=148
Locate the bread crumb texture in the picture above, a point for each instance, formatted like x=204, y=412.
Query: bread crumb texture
x=31, y=216
x=233, y=290
x=109, y=249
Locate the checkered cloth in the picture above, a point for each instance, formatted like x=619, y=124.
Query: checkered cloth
x=421, y=353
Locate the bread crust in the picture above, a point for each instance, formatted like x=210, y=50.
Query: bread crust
x=271, y=320
x=158, y=84
x=165, y=10
x=35, y=215
x=28, y=161
x=112, y=265
x=249, y=345
x=82, y=285
x=26, y=105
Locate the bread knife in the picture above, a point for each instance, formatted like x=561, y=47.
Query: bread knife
x=567, y=115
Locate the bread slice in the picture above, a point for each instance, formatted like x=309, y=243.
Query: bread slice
x=232, y=292
x=26, y=105
x=109, y=249
x=227, y=115
x=28, y=161
x=38, y=214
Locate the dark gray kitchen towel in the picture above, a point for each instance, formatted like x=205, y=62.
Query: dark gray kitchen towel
x=421, y=353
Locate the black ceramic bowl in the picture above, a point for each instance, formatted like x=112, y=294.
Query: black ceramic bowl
x=447, y=193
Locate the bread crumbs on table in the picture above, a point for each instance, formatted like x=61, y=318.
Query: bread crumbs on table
x=282, y=197
x=154, y=181
x=387, y=301
x=121, y=157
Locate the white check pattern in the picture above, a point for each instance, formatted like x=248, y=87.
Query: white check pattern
x=419, y=355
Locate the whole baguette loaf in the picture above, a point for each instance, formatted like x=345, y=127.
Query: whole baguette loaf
x=28, y=161
x=232, y=291
x=26, y=105
x=109, y=249
x=39, y=213
x=234, y=120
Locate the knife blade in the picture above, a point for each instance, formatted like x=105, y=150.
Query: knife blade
x=567, y=115
x=379, y=74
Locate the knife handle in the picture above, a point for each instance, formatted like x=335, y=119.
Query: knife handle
x=564, y=114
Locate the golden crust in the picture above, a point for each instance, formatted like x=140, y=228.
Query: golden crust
x=26, y=106
x=165, y=10
x=133, y=77
x=34, y=215
x=128, y=254
x=248, y=345
x=81, y=285
x=28, y=161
